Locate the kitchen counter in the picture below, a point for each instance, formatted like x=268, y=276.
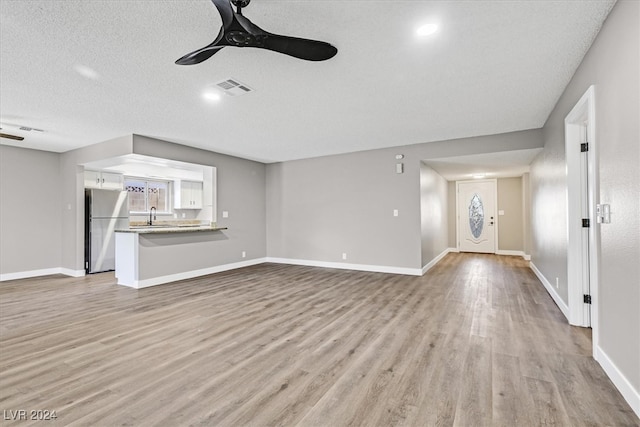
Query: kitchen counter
x=168, y=229
x=149, y=256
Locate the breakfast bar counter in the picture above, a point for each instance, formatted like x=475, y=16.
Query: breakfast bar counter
x=152, y=229
x=149, y=256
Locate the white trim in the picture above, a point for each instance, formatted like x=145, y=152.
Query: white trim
x=345, y=266
x=556, y=297
x=514, y=253
x=437, y=259
x=631, y=395
x=581, y=314
x=42, y=272
x=72, y=273
x=145, y=283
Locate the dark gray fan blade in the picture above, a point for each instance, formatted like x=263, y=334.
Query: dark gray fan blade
x=311, y=50
x=225, y=10
x=199, y=55
x=204, y=53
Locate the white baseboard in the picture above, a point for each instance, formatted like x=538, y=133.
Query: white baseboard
x=564, y=308
x=434, y=261
x=41, y=272
x=145, y=283
x=514, y=253
x=72, y=273
x=631, y=395
x=346, y=266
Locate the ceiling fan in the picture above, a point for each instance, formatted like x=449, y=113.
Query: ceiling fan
x=238, y=31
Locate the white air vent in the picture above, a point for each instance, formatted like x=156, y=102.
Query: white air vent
x=233, y=87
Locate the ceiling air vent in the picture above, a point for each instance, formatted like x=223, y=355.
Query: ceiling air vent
x=233, y=87
x=28, y=129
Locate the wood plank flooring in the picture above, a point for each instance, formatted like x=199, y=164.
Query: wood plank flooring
x=475, y=342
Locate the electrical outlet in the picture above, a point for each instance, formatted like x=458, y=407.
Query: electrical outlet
x=225, y=214
x=244, y=254
x=184, y=215
x=395, y=212
x=557, y=282
x=344, y=255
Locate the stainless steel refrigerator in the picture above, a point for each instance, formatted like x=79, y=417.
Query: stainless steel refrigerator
x=105, y=212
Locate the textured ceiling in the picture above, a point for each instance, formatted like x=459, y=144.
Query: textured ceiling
x=494, y=67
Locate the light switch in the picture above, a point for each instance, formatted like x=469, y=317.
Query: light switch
x=225, y=214
x=395, y=212
x=603, y=214
x=500, y=212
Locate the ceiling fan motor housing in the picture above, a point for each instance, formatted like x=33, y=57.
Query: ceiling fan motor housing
x=240, y=3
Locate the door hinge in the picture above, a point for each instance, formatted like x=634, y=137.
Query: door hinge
x=584, y=147
x=586, y=223
x=587, y=299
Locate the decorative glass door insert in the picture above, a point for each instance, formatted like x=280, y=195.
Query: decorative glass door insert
x=476, y=216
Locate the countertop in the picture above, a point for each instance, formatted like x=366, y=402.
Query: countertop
x=169, y=229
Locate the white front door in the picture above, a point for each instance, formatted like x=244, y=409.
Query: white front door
x=476, y=216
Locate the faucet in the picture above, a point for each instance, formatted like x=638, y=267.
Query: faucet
x=152, y=215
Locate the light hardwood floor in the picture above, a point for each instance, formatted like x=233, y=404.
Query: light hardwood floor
x=475, y=342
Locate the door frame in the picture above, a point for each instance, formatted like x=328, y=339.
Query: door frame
x=495, y=210
x=583, y=111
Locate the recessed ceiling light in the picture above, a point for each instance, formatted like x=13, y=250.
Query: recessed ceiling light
x=212, y=96
x=427, y=30
x=87, y=72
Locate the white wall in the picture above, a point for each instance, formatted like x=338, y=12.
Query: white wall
x=30, y=211
x=613, y=66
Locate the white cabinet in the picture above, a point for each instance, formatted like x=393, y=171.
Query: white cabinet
x=103, y=180
x=91, y=179
x=187, y=195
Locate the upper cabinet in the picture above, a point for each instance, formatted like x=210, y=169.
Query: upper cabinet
x=103, y=180
x=187, y=195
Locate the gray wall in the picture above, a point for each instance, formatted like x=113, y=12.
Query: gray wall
x=612, y=65
x=319, y=208
x=30, y=211
x=526, y=213
x=434, y=207
x=510, y=225
x=240, y=192
x=452, y=218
